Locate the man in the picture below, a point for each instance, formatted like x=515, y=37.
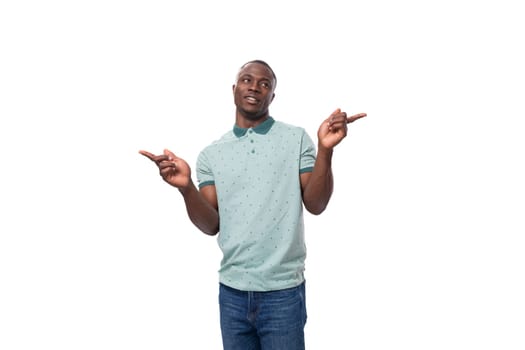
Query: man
x=252, y=185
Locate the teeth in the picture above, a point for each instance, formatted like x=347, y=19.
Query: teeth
x=251, y=99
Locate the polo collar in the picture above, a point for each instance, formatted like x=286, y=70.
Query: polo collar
x=262, y=128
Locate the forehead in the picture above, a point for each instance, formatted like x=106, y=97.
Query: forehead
x=256, y=70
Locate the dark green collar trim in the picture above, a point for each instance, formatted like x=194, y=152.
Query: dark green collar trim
x=262, y=128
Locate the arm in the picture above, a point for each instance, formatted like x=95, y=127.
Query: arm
x=201, y=206
x=318, y=185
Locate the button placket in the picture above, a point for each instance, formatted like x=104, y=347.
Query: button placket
x=250, y=135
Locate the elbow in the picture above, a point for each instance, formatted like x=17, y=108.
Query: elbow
x=207, y=228
x=210, y=231
x=318, y=204
x=316, y=209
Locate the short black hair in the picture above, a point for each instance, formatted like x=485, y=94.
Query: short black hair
x=264, y=64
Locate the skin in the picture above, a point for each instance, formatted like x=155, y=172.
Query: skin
x=253, y=94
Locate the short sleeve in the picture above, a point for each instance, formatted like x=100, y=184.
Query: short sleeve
x=204, y=173
x=307, y=161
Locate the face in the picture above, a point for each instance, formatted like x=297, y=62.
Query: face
x=254, y=91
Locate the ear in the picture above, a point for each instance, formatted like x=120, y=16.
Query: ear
x=273, y=96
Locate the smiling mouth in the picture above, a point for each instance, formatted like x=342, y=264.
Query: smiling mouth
x=251, y=99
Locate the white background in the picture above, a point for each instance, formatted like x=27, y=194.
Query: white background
x=420, y=248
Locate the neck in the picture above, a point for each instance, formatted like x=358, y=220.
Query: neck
x=246, y=122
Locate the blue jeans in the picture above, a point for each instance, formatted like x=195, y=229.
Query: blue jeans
x=263, y=320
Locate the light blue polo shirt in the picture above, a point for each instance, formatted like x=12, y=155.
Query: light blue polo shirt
x=256, y=175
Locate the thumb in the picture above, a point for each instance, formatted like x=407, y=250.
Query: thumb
x=338, y=110
x=170, y=154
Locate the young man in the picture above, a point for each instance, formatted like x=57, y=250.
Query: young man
x=252, y=185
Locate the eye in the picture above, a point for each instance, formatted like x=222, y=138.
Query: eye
x=265, y=85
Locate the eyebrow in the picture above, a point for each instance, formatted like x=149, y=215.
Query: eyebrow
x=252, y=76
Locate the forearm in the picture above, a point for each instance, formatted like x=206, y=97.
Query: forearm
x=318, y=191
x=201, y=213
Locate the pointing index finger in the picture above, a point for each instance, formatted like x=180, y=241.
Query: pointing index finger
x=153, y=157
x=147, y=154
x=355, y=117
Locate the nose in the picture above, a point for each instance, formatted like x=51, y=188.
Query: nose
x=254, y=86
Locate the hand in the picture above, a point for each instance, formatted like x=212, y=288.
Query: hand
x=334, y=128
x=174, y=170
